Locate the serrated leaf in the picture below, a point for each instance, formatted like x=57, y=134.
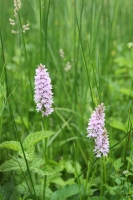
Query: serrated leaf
x=46, y=171
x=36, y=163
x=29, y=153
x=13, y=145
x=33, y=138
x=39, y=190
x=67, y=191
x=22, y=188
x=12, y=164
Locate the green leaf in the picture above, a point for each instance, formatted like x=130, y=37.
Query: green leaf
x=39, y=190
x=12, y=164
x=29, y=153
x=37, y=162
x=33, y=138
x=8, y=188
x=122, y=61
x=127, y=91
x=13, y=145
x=1, y=194
x=118, y=125
x=130, y=160
x=46, y=171
x=97, y=198
x=117, y=164
x=67, y=191
x=58, y=181
x=22, y=188
x=118, y=181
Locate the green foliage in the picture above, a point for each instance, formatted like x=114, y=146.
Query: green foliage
x=8, y=191
x=97, y=198
x=13, y=145
x=123, y=187
x=28, y=144
x=13, y=164
x=2, y=98
x=117, y=164
x=36, y=165
x=34, y=138
x=115, y=123
x=67, y=191
x=29, y=153
x=47, y=170
x=97, y=66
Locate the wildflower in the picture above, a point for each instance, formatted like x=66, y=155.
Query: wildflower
x=96, y=130
x=68, y=66
x=61, y=53
x=43, y=91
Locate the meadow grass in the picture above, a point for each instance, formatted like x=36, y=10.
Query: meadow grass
x=95, y=37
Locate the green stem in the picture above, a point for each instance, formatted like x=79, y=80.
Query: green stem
x=45, y=160
x=40, y=9
x=26, y=55
x=83, y=55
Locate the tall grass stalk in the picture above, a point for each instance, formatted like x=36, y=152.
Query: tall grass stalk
x=26, y=57
x=82, y=51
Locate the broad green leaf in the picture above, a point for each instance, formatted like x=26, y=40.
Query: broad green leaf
x=58, y=181
x=118, y=125
x=67, y=191
x=39, y=190
x=46, y=171
x=122, y=61
x=22, y=188
x=74, y=197
x=37, y=162
x=13, y=145
x=127, y=91
x=117, y=164
x=12, y=164
x=33, y=138
x=29, y=153
x=118, y=181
